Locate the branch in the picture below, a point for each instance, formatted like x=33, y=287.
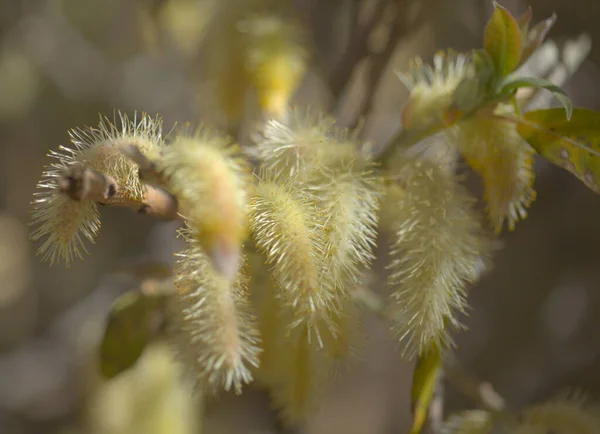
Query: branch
x=148, y=171
x=357, y=48
x=380, y=61
x=83, y=183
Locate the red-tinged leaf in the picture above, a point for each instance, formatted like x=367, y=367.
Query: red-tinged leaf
x=524, y=21
x=535, y=37
x=573, y=145
x=503, y=40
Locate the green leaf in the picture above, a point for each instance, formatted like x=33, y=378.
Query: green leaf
x=503, y=40
x=573, y=145
x=128, y=329
x=535, y=37
x=539, y=83
x=425, y=376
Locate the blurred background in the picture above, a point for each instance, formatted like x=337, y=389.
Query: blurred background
x=535, y=319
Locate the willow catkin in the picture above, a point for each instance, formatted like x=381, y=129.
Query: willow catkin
x=495, y=150
x=304, y=143
x=206, y=172
x=275, y=57
x=65, y=224
x=215, y=331
x=285, y=228
x=432, y=87
x=439, y=248
x=349, y=203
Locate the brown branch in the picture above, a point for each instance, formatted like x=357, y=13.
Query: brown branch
x=380, y=61
x=357, y=48
x=148, y=171
x=83, y=183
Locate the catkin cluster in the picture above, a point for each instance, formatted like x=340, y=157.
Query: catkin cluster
x=277, y=249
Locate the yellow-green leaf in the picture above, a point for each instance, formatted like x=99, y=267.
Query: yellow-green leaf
x=129, y=327
x=573, y=145
x=503, y=40
x=535, y=37
x=513, y=84
x=425, y=378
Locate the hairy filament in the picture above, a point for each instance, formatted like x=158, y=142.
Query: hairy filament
x=64, y=223
x=100, y=149
x=504, y=160
x=216, y=332
x=432, y=87
x=206, y=173
x=439, y=248
x=285, y=228
x=303, y=144
x=349, y=203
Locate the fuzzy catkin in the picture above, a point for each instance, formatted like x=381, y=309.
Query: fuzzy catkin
x=293, y=368
x=285, y=228
x=215, y=330
x=504, y=160
x=63, y=223
x=210, y=179
x=349, y=205
x=439, y=248
x=304, y=144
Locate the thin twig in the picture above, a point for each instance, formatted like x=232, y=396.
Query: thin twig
x=83, y=183
x=148, y=171
x=357, y=48
x=380, y=61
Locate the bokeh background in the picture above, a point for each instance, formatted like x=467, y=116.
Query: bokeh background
x=534, y=327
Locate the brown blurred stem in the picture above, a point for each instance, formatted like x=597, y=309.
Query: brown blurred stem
x=380, y=61
x=83, y=183
x=357, y=48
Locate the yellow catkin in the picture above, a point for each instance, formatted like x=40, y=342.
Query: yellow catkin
x=349, y=204
x=65, y=224
x=275, y=59
x=215, y=331
x=294, y=369
x=302, y=145
x=285, y=228
x=432, y=88
x=210, y=179
x=504, y=160
x=253, y=44
x=439, y=248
